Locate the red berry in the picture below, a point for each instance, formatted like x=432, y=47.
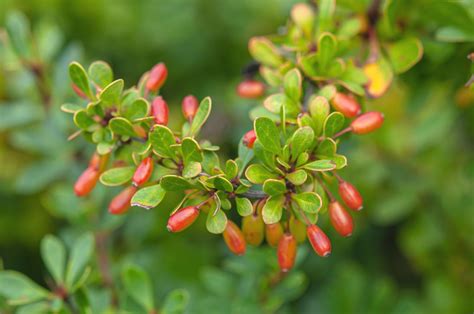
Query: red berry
x=182, y=219
x=249, y=138
x=157, y=77
x=79, y=92
x=346, y=105
x=99, y=162
x=350, y=195
x=286, y=252
x=253, y=229
x=234, y=238
x=250, y=89
x=273, y=233
x=159, y=109
x=367, y=122
x=190, y=106
x=121, y=203
x=319, y=240
x=86, y=181
x=340, y=219
x=143, y=172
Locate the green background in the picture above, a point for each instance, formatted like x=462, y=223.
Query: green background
x=412, y=250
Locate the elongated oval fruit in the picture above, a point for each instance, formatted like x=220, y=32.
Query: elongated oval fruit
x=286, y=252
x=86, y=181
x=99, y=162
x=341, y=220
x=182, y=219
x=250, y=89
x=297, y=229
x=159, y=109
x=190, y=106
x=249, y=138
x=350, y=195
x=121, y=202
x=346, y=105
x=253, y=229
x=367, y=122
x=234, y=238
x=157, y=77
x=143, y=172
x=319, y=240
x=273, y=233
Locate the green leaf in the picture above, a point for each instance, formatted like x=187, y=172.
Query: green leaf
x=15, y=115
x=268, y=134
x=112, y=93
x=201, y=116
x=320, y=165
x=191, y=151
x=244, y=206
x=101, y=73
x=192, y=169
x=71, y=108
x=301, y=140
x=117, y=176
x=257, y=174
x=174, y=183
x=79, y=77
x=319, y=109
x=138, y=286
x=216, y=223
x=18, y=29
x=273, y=209
x=297, y=177
x=19, y=289
x=175, y=302
x=148, y=197
x=405, y=53
x=333, y=124
x=121, y=126
x=264, y=156
x=274, y=103
x=293, y=84
x=274, y=187
x=309, y=202
x=162, y=139
x=79, y=257
x=231, y=169
x=264, y=51
x=83, y=121
x=326, y=12
x=35, y=308
x=137, y=109
x=327, y=50
x=223, y=184
x=53, y=254
x=327, y=147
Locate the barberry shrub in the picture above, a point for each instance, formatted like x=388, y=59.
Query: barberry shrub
x=312, y=91
x=122, y=158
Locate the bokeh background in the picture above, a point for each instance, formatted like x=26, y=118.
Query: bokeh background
x=413, y=248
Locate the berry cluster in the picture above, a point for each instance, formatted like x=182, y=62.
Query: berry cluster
x=287, y=164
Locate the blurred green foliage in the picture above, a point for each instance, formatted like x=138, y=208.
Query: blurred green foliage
x=412, y=250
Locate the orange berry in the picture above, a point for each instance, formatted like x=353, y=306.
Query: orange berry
x=273, y=233
x=86, y=181
x=159, y=109
x=182, y=219
x=157, y=77
x=367, y=122
x=189, y=106
x=143, y=172
x=234, y=238
x=286, y=252
x=121, y=202
x=340, y=219
x=319, y=240
x=250, y=89
x=346, y=105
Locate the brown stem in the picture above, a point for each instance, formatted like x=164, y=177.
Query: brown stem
x=328, y=192
x=104, y=265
